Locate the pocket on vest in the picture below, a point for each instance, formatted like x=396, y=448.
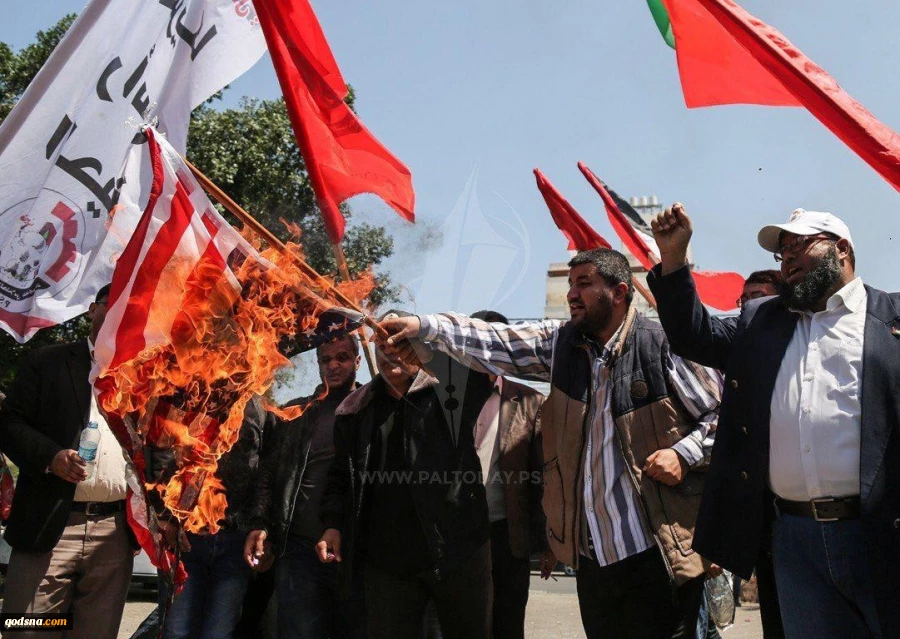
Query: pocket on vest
x=674, y=512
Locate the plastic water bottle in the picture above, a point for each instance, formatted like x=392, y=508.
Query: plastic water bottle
x=87, y=447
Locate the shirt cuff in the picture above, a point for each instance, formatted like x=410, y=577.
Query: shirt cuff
x=428, y=327
x=690, y=451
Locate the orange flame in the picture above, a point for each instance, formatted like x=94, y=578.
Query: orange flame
x=189, y=394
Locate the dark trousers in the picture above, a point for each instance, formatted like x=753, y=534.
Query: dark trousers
x=635, y=599
x=210, y=604
x=769, y=610
x=824, y=582
x=395, y=604
x=310, y=605
x=257, y=621
x=511, y=578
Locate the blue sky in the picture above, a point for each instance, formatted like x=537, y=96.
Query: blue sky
x=473, y=96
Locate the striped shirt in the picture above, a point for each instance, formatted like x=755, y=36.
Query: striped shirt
x=614, y=520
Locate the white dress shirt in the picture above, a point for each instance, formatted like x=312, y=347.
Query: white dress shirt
x=487, y=445
x=107, y=483
x=815, y=423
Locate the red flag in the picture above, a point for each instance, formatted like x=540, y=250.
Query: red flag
x=342, y=157
x=581, y=236
x=727, y=56
x=719, y=290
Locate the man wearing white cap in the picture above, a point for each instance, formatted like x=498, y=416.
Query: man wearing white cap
x=810, y=419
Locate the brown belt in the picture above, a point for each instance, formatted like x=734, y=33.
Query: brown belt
x=98, y=508
x=825, y=509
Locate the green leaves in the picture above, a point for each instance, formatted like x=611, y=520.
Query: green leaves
x=18, y=69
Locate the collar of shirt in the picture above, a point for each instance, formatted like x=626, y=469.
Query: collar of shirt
x=90, y=347
x=852, y=296
x=498, y=386
x=604, y=352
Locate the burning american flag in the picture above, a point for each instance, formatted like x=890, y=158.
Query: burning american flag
x=195, y=317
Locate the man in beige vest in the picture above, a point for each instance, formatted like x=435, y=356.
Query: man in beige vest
x=627, y=430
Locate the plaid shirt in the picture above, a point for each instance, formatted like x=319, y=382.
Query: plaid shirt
x=614, y=525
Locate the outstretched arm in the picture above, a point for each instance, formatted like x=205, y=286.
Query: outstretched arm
x=522, y=350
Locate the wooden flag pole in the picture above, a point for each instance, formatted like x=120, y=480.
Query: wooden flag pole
x=344, y=270
x=640, y=288
x=222, y=198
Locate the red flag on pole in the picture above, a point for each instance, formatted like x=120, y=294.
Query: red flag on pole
x=719, y=290
x=581, y=236
x=727, y=56
x=342, y=157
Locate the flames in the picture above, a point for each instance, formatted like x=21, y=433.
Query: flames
x=189, y=394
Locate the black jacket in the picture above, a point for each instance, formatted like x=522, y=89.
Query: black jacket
x=44, y=412
x=282, y=466
x=749, y=349
x=439, y=427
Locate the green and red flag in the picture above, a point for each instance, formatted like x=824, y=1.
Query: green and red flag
x=727, y=56
x=661, y=18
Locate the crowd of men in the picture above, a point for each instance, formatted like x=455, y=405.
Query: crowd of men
x=411, y=506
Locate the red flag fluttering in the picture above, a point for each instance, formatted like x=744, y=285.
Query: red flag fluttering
x=580, y=234
x=727, y=56
x=342, y=157
x=716, y=289
x=195, y=317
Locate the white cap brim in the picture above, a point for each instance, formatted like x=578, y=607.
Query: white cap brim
x=769, y=236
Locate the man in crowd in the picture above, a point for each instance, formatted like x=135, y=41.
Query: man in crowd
x=809, y=412
x=625, y=428
x=508, y=443
x=72, y=549
x=209, y=605
x=405, y=500
x=761, y=284
x=288, y=503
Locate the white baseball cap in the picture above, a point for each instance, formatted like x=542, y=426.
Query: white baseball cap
x=803, y=222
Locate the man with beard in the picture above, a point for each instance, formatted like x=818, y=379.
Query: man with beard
x=809, y=418
x=286, y=519
x=626, y=429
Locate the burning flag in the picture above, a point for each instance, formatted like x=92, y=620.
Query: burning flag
x=342, y=157
x=195, y=317
x=727, y=56
x=719, y=290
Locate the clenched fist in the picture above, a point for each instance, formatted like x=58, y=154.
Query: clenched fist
x=672, y=231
